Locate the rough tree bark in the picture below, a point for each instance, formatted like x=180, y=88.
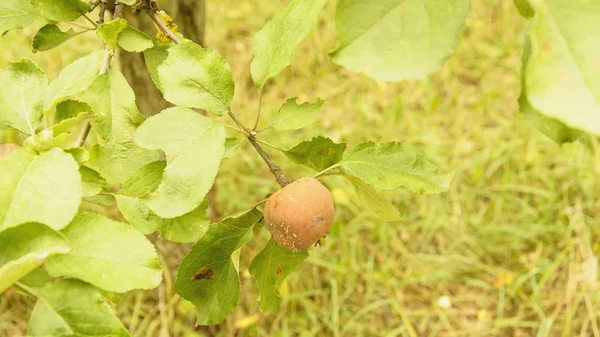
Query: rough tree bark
x=189, y=15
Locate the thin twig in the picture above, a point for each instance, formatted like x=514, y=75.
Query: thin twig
x=93, y=5
x=275, y=170
x=118, y=9
x=260, y=92
x=102, y=11
x=83, y=134
x=322, y=173
x=163, y=27
x=90, y=20
x=270, y=145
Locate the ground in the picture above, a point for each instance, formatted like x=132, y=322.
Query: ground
x=508, y=251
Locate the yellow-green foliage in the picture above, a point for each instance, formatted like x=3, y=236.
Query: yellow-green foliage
x=509, y=251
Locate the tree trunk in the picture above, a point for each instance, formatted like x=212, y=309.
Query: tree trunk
x=189, y=15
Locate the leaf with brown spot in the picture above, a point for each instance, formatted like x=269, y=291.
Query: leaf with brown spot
x=273, y=258
x=204, y=273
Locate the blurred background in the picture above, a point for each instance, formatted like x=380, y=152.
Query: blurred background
x=510, y=250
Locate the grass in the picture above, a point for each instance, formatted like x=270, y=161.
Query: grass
x=510, y=250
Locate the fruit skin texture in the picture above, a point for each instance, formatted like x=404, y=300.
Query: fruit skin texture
x=299, y=214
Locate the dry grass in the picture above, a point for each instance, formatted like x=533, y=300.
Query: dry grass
x=508, y=251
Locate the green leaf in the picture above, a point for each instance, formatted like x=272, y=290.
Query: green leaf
x=393, y=164
x=65, y=125
x=319, y=153
x=117, y=161
x=51, y=36
x=91, y=181
x=124, y=260
x=44, y=188
x=273, y=46
x=292, y=116
x=145, y=180
x=154, y=57
x=116, y=118
x=74, y=78
x=196, y=77
x=72, y=308
x=393, y=40
x=69, y=109
x=232, y=145
x=80, y=154
x=16, y=14
x=551, y=127
x=524, y=8
x=194, y=145
x=186, y=228
x=562, y=77
x=36, y=278
x=24, y=248
x=109, y=31
x=21, y=96
x=102, y=199
x=112, y=101
x=57, y=136
x=44, y=141
x=132, y=40
x=375, y=201
x=61, y=10
x=270, y=268
x=207, y=276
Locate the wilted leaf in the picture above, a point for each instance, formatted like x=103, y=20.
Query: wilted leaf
x=207, y=276
x=194, y=145
x=24, y=248
x=70, y=307
x=42, y=188
x=270, y=268
x=124, y=260
x=394, y=40
x=273, y=46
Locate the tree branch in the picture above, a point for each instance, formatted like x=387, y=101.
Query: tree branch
x=102, y=11
x=275, y=170
x=163, y=27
